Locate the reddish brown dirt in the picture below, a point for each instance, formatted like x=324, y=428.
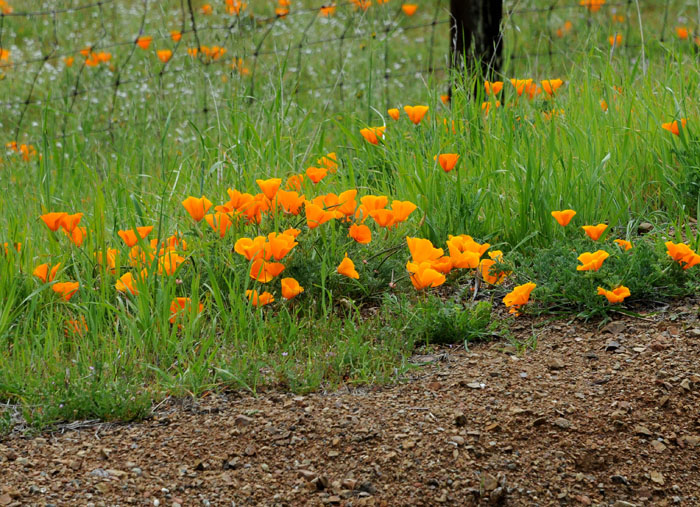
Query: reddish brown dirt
x=577, y=421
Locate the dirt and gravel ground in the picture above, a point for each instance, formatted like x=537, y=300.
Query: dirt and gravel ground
x=592, y=416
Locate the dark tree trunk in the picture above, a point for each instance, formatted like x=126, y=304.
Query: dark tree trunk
x=476, y=37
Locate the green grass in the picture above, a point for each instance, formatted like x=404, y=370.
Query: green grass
x=517, y=164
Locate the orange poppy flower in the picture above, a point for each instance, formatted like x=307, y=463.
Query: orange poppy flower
x=316, y=174
x=197, y=207
x=192, y=52
x=53, y=220
x=175, y=35
x=519, y=296
x=291, y=202
x=131, y=237
x=291, y=288
x=465, y=252
x=250, y=248
x=422, y=250
x=486, y=106
x=563, y=217
x=206, y=9
x=169, y=262
x=126, y=283
x=442, y=265
x=682, y=32
x=592, y=5
x=373, y=134
x=520, y=85
x=374, y=202
x=295, y=181
x=259, y=299
x=424, y=276
x=330, y=162
x=46, y=273
x=70, y=222
x=220, y=222
x=409, y=9
x=269, y=187
x=110, y=259
x=279, y=245
x=182, y=306
x=532, y=90
x=315, y=215
x=144, y=41
x=614, y=296
x=603, y=105
x=66, y=289
x=103, y=56
x=68, y=60
x=347, y=268
x=485, y=268
x=402, y=209
x=551, y=86
x=235, y=7
x=360, y=233
x=594, y=231
x=393, y=114
x=327, y=10
x=673, y=126
x=264, y=271
x=416, y=113
x=615, y=40
x=383, y=217
x=77, y=236
x=493, y=88
x=592, y=261
x=6, y=246
x=292, y=232
x=624, y=244
x=445, y=99
x=448, y=161
x=164, y=55
x=281, y=12
x=75, y=327
x=683, y=254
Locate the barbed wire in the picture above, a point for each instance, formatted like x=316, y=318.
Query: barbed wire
x=243, y=30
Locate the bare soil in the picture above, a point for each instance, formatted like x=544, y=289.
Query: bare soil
x=591, y=416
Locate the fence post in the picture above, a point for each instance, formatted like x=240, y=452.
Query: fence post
x=476, y=38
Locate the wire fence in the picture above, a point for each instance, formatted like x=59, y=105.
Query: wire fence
x=97, y=67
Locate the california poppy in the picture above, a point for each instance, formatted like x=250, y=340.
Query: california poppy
x=127, y=283
x=422, y=250
x=66, y=289
x=594, y=231
x=279, y=245
x=465, y=252
x=46, y=273
x=442, y=264
x=53, y=220
x=519, y=296
x=164, y=55
x=592, y=5
x=259, y=299
x=682, y=32
x=68, y=60
x=347, y=268
x=220, y=222
x=327, y=10
x=402, y=209
x=264, y=272
x=615, y=40
x=175, y=35
x=295, y=181
x=70, y=222
x=269, y=186
x=563, y=217
x=383, y=217
x=291, y=202
x=77, y=235
x=485, y=268
x=616, y=295
x=182, y=306
x=424, y=276
x=197, y=207
x=330, y=162
x=144, y=41
x=75, y=327
x=373, y=134
x=448, y=161
x=624, y=244
x=486, y=106
x=315, y=215
x=316, y=174
x=393, y=113
x=235, y=7
x=493, y=88
x=591, y=261
x=360, y=233
x=683, y=254
x=409, y=9
x=445, y=99
x=132, y=237
x=250, y=248
x=673, y=126
x=520, y=85
x=290, y=288
x=169, y=262
x=550, y=86
x=109, y=260
x=415, y=113
x=206, y=9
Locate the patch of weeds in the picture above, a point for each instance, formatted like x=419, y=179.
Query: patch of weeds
x=689, y=174
x=439, y=321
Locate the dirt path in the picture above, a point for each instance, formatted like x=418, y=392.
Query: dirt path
x=590, y=417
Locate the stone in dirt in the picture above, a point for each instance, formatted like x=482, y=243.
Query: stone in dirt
x=555, y=363
x=616, y=327
x=657, y=478
x=612, y=346
x=460, y=419
x=562, y=423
